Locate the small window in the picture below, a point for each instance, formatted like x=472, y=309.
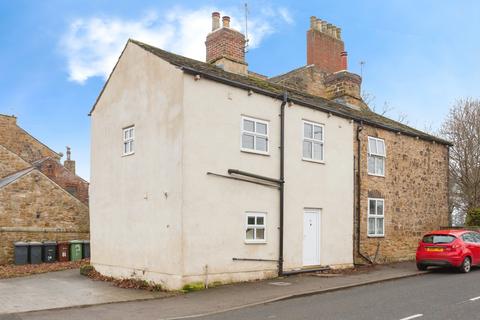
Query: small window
x=128, y=140
x=313, y=135
x=376, y=217
x=255, y=227
x=72, y=190
x=254, y=135
x=376, y=156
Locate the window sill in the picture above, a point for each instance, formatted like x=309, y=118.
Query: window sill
x=377, y=175
x=255, y=242
x=313, y=160
x=128, y=154
x=376, y=236
x=255, y=152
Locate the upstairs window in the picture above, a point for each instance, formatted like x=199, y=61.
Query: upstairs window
x=376, y=217
x=376, y=156
x=255, y=227
x=254, y=135
x=313, y=141
x=128, y=140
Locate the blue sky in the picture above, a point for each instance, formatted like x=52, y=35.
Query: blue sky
x=420, y=55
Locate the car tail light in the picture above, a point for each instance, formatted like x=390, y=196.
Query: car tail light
x=453, y=247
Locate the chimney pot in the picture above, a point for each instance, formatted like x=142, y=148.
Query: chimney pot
x=324, y=26
x=226, y=21
x=215, y=20
x=69, y=164
x=313, y=22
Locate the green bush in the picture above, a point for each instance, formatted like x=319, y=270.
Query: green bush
x=473, y=217
x=194, y=286
x=86, y=269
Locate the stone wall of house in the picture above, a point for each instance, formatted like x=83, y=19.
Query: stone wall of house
x=21, y=142
x=35, y=208
x=72, y=183
x=10, y=162
x=308, y=79
x=415, y=191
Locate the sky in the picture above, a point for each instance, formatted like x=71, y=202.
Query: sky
x=419, y=56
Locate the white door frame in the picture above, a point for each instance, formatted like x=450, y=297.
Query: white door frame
x=312, y=249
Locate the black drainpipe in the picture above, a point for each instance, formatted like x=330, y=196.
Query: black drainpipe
x=282, y=181
x=358, y=186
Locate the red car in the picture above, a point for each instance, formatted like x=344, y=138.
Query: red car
x=449, y=248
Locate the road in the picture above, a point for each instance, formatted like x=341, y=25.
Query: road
x=440, y=296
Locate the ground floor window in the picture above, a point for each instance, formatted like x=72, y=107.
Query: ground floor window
x=255, y=227
x=376, y=217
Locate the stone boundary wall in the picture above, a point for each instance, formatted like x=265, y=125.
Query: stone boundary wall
x=8, y=236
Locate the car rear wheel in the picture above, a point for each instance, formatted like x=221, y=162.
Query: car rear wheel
x=466, y=265
x=421, y=267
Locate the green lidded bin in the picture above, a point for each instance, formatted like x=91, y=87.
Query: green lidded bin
x=76, y=250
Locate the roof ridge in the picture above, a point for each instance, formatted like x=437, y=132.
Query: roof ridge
x=269, y=88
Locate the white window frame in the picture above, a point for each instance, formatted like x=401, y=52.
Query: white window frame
x=376, y=156
x=255, y=135
x=255, y=227
x=376, y=216
x=128, y=140
x=313, y=140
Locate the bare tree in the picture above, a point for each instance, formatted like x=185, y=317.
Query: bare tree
x=386, y=108
x=462, y=128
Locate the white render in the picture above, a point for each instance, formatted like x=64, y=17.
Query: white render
x=157, y=215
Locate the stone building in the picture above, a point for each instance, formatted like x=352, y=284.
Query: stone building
x=40, y=199
x=401, y=174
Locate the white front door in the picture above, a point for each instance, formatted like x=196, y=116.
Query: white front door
x=311, y=237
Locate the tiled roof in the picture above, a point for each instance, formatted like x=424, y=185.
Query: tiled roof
x=275, y=90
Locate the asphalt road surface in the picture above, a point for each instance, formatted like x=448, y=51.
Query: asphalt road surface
x=439, y=295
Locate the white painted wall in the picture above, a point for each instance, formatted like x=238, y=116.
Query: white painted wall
x=184, y=129
x=135, y=228
x=215, y=207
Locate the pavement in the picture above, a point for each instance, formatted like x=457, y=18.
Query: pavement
x=66, y=294
x=62, y=289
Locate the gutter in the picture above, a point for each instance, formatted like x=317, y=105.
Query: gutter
x=332, y=110
x=358, y=193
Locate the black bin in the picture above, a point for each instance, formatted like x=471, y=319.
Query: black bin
x=35, y=252
x=49, y=251
x=86, y=249
x=21, y=253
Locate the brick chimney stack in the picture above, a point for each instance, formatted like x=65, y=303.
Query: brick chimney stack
x=69, y=164
x=325, y=47
x=226, y=46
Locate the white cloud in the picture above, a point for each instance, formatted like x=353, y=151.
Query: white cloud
x=92, y=45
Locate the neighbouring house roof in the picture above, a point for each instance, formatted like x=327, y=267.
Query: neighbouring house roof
x=14, y=176
x=32, y=137
x=275, y=90
x=20, y=174
x=41, y=161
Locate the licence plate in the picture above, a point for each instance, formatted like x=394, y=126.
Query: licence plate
x=435, y=249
